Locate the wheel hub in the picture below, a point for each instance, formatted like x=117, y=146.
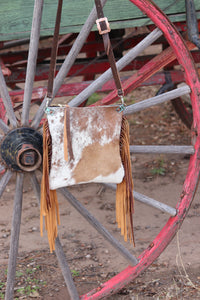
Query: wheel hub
x=21, y=149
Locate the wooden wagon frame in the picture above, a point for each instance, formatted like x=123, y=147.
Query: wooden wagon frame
x=32, y=25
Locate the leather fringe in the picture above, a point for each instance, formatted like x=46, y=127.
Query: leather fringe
x=124, y=193
x=49, y=204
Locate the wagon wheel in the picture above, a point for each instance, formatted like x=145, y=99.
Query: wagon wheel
x=24, y=143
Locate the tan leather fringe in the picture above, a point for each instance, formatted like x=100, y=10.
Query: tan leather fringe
x=49, y=203
x=124, y=193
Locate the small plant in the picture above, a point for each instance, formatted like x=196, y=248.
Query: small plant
x=18, y=274
x=29, y=271
x=132, y=101
x=75, y=273
x=29, y=284
x=159, y=170
x=2, y=285
x=28, y=290
x=21, y=290
x=1, y=295
x=93, y=98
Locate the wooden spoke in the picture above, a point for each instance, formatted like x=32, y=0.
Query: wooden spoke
x=14, y=242
x=15, y=43
x=123, y=62
x=58, y=249
x=4, y=127
x=140, y=76
x=171, y=149
x=32, y=57
x=68, y=62
x=7, y=101
x=2, y=168
x=150, y=201
x=154, y=203
x=4, y=180
x=95, y=223
x=131, y=109
x=66, y=270
x=75, y=49
x=36, y=185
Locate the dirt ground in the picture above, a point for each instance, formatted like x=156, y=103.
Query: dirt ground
x=174, y=275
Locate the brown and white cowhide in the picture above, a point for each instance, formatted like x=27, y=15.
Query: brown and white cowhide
x=94, y=135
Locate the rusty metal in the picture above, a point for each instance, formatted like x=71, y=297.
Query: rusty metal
x=107, y=26
x=21, y=150
x=28, y=158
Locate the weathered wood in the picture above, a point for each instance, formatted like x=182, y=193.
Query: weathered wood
x=98, y=226
x=36, y=186
x=3, y=126
x=66, y=270
x=69, y=60
x=2, y=168
x=124, y=61
x=58, y=248
x=149, y=201
x=131, y=109
x=16, y=16
x=6, y=100
x=150, y=68
x=4, y=179
x=154, y=203
x=32, y=59
x=14, y=242
x=72, y=55
x=173, y=149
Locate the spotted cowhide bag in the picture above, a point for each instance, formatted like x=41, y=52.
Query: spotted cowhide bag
x=92, y=144
x=82, y=145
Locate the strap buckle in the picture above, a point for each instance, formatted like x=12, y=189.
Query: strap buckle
x=107, y=29
x=47, y=107
x=122, y=106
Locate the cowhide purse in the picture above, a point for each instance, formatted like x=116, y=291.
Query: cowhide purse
x=83, y=145
x=86, y=144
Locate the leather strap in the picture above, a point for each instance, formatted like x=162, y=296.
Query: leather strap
x=52, y=67
x=67, y=135
x=103, y=26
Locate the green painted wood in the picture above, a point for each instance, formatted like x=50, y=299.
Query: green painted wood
x=16, y=16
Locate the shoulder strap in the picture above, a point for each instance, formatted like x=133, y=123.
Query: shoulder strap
x=104, y=29
x=54, y=50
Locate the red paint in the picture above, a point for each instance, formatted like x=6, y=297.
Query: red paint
x=154, y=65
x=2, y=111
x=84, y=68
x=72, y=89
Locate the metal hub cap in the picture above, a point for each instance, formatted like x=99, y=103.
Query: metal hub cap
x=21, y=149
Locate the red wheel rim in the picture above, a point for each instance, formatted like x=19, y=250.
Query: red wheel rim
x=173, y=224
